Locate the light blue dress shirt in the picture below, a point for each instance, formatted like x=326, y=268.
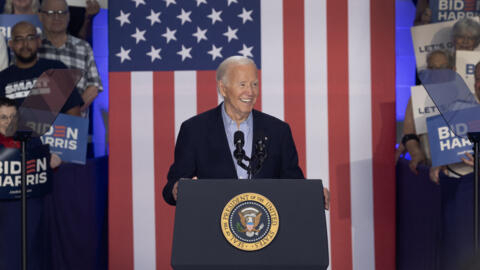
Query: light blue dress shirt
x=247, y=128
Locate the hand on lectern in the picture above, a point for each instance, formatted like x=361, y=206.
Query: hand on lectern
x=175, y=188
x=326, y=196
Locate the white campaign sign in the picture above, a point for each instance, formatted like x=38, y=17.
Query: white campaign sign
x=423, y=107
x=430, y=37
x=465, y=66
x=83, y=3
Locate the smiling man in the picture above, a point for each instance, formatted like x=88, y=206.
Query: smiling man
x=205, y=147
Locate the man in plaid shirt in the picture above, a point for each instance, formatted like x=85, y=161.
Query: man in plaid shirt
x=73, y=52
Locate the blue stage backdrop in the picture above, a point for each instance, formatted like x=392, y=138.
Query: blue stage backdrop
x=100, y=105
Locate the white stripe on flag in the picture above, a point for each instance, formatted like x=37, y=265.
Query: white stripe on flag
x=185, y=97
x=272, y=57
x=143, y=186
x=360, y=126
x=316, y=94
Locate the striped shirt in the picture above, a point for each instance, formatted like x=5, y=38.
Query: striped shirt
x=75, y=53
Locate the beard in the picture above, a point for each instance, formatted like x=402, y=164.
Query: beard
x=26, y=60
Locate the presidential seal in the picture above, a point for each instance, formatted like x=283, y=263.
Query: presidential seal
x=249, y=221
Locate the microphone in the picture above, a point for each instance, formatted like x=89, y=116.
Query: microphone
x=239, y=142
x=260, y=152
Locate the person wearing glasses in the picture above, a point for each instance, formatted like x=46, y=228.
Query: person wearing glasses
x=19, y=79
x=57, y=44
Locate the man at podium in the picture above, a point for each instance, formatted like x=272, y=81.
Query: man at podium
x=233, y=141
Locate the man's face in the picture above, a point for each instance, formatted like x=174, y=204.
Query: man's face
x=240, y=91
x=7, y=115
x=464, y=41
x=54, y=16
x=24, y=43
x=437, y=61
x=477, y=82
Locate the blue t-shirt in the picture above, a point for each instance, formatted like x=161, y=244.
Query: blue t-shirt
x=16, y=83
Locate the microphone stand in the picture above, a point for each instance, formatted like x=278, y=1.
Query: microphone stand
x=23, y=137
x=474, y=137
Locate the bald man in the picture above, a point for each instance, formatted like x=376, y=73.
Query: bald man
x=17, y=80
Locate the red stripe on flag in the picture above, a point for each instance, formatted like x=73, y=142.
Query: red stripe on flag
x=207, y=97
x=164, y=141
x=383, y=129
x=294, y=73
x=120, y=228
x=338, y=134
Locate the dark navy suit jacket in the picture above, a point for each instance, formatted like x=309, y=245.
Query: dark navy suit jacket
x=202, y=150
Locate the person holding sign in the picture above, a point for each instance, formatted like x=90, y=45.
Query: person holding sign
x=38, y=244
x=411, y=142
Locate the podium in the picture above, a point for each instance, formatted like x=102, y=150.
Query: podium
x=250, y=224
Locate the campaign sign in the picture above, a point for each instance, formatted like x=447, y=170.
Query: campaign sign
x=448, y=10
x=67, y=138
x=7, y=21
x=449, y=143
x=83, y=3
x=430, y=37
x=38, y=172
x=423, y=107
x=465, y=62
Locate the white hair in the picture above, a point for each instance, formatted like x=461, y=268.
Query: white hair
x=221, y=73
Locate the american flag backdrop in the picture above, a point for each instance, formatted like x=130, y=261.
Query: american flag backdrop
x=327, y=67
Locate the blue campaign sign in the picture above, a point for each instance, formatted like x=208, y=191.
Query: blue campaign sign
x=67, y=138
x=7, y=21
x=448, y=10
x=39, y=173
x=445, y=146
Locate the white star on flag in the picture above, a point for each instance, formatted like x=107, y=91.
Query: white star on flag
x=246, y=15
x=123, y=18
x=124, y=54
x=169, y=35
x=231, y=1
x=246, y=51
x=168, y=2
x=199, y=2
x=200, y=34
x=215, y=52
x=231, y=34
x=185, y=16
x=185, y=53
x=138, y=3
x=154, y=17
x=139, y=35
x=154, y=53
x=215, y=16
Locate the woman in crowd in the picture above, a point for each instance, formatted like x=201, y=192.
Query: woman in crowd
x=21, y=7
